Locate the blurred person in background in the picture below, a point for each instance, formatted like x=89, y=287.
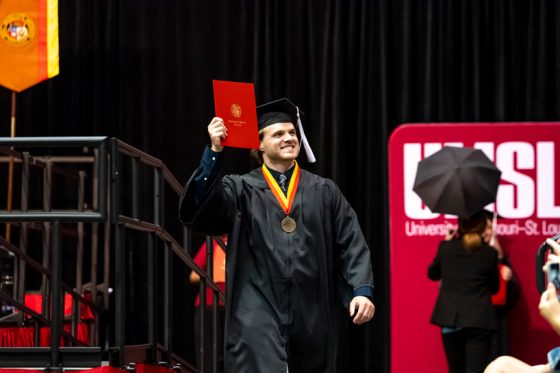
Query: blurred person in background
x=549, y=308
x=467, y=268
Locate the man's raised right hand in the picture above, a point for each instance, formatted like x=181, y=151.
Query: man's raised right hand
x=217, y=131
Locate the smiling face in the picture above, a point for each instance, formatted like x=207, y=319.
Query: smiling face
x=280, y=143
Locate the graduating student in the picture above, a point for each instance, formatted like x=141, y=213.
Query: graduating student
x=297, y=257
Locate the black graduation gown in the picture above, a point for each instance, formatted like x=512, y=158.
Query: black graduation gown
x=285, y=291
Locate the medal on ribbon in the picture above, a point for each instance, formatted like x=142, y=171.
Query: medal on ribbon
x=286, y=201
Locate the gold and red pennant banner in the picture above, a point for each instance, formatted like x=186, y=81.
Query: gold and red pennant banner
x=28, y=42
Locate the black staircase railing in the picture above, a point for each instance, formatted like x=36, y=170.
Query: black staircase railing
x=155, y=350
x=110, y=210
x=48, y=220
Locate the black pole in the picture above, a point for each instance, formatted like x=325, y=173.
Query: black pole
x=56, y=294
x=23, y=237
x=115, y=182
x=120, y=292
x=47, y=236
x=201, y=320
x=135, y=195
x=158, y=197
x=215, y=346
x=152, y=317
x=167, y=301
x=120, y=256
x=210, y=271
x=102, y=177
x=210, y=257
x=167, y=267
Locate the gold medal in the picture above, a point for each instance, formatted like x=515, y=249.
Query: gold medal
x=288, y=224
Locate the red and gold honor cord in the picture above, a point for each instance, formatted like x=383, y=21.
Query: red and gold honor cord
x=285, y=201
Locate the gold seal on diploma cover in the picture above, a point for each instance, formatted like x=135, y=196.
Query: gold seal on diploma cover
x=288, y=224
x=236, y=110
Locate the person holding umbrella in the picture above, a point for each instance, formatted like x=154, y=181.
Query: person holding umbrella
x=467, y=269
x=461, y=181
x=504, y=299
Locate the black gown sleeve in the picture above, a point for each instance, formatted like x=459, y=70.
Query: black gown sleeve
x=352, y=248
x=207, y=204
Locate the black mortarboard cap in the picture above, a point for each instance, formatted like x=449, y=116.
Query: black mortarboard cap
x=278, y=111
x=283, y=111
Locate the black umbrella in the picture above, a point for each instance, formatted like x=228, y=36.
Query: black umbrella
x=457, y=181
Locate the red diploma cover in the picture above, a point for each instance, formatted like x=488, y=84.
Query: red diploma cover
x=235, y=104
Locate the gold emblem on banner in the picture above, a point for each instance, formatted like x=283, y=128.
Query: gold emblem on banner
x=236, y=110
x=17, y=30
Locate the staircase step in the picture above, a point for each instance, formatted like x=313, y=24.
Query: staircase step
x=40, y=357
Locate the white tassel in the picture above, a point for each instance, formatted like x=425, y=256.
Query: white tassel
x=306, y=146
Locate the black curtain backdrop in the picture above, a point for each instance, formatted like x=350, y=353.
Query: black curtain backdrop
x=141, y=70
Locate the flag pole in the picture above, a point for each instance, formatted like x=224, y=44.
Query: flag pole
x=11, y=166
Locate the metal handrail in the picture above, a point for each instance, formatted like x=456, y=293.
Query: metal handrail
x=56, y=216
x=69, y=141
x=39, y=268
x=107, y=179
x=161, y=175
x=100, y=142
x=149, y=160
x=175, y=246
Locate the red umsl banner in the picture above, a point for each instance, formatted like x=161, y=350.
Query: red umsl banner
x=528, y=202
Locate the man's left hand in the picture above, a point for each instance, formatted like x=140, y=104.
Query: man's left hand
x=362, y=309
